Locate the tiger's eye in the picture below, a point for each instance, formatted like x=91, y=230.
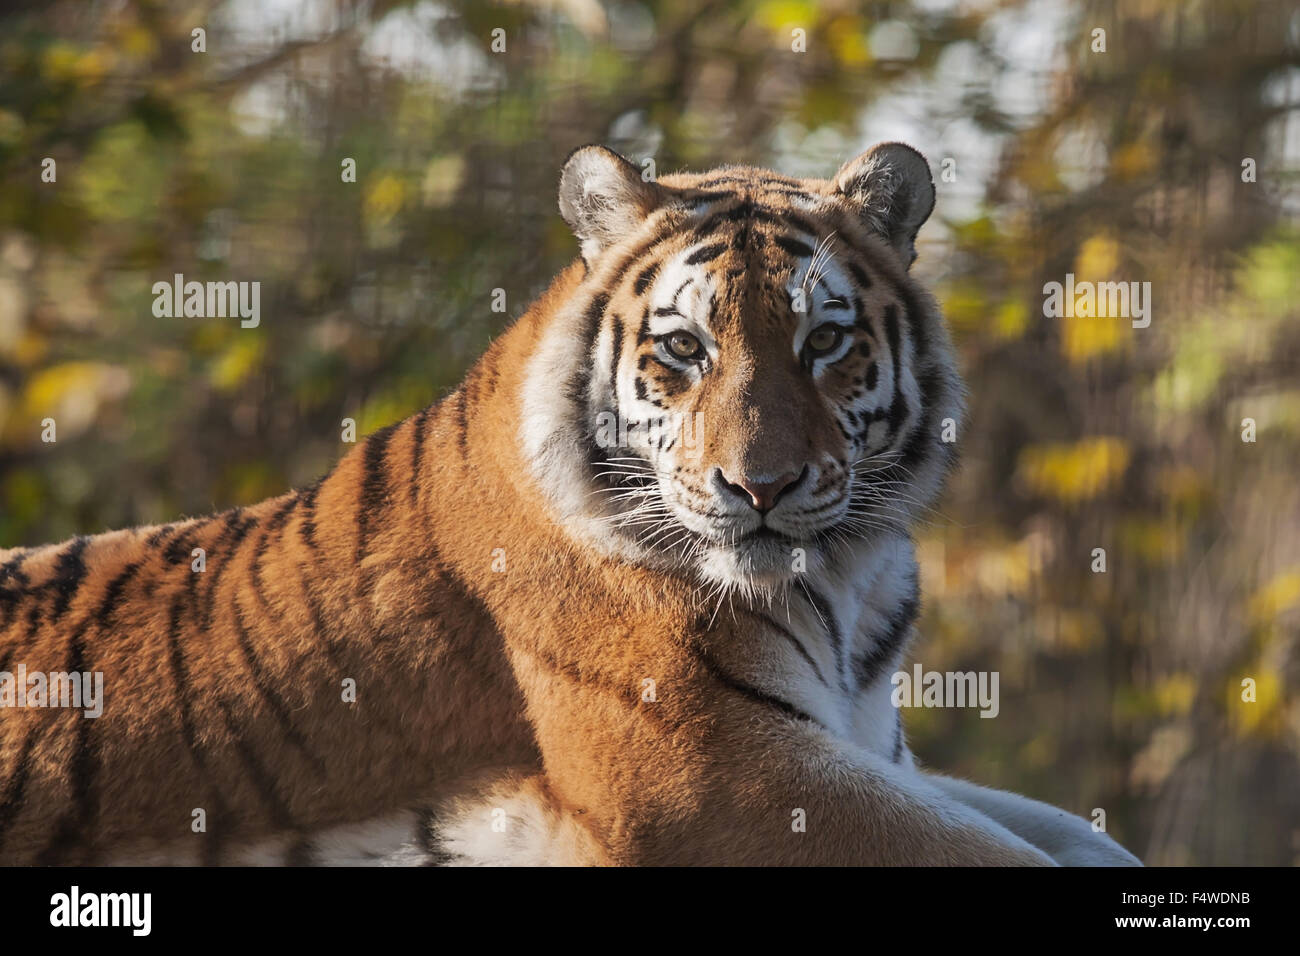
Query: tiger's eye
x=823, y=339
x=683, y=345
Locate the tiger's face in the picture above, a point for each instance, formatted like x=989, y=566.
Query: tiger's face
x=758, y=382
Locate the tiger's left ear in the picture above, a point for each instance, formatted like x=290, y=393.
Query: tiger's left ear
x=603, y=198
x=891, y=186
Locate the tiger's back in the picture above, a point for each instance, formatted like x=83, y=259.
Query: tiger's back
x=265, y=670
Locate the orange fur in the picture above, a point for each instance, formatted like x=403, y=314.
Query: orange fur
x=224, y=688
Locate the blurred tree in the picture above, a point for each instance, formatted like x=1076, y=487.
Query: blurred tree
x=1121, y=690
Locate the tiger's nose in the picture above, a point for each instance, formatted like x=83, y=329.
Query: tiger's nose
x=762, y=495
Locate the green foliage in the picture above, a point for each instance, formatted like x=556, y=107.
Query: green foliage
x=1120, y=689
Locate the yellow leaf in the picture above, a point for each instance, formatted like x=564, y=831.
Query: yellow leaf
x=1073, y=472
x=1132, y=161
x=1175, y=694
x=1097, y=260
x=384, y=199
x=1084, y=337
x=1281, y=593
x=1011, y=319
x=848, y=41
x=1264, y=715
x=71, y=393
x=59, y=61
x=240, y=359
x=780, y=16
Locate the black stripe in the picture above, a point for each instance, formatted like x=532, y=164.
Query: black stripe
x=235, y=529
x=785, y=218
x=827, y=617
x=12, y=568
x=179, y=548
x=793, y=246
x=736, y=213
x=308, y=525
x=156, y=538
x=860, y=275
x=753, y=693
x=645, y=278
x=72, y=829
x=417, y=453
x=886, y=646
x=273, y=700
x=276, y=809
x=85, y=797
x=613, y=362
x=68, y=575
x=756, y=178
x=898, y=404
x=176, y=658
x=279, y=517
x=576, y=387
x=923, y=437
x=11, y=802
x=273, y=523
x=164, y=535
x=33, y=625
x=462, y=422
x=216, y=819
x=113, y=594
x=374, y=484
x=898, y=737
x=626, y=693
x=9, y=597
x=317, y=618
x=426, y=833
x=263, y=543
x=706, y=253
x=793, y=639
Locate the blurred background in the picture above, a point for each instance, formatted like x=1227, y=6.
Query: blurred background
x=1120, y=690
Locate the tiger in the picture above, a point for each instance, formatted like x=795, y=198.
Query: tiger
x=630, y=594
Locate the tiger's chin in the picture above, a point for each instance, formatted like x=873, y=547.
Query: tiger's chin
x=759, y=565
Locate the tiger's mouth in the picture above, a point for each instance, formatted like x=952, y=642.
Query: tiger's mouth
x=752, y=551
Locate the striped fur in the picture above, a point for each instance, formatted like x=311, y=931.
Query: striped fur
x=564, y=651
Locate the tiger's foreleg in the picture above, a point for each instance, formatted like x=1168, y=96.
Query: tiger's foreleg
x=797, y=798
x=1067, y=839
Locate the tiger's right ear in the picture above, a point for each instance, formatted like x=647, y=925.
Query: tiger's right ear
x=603, y=198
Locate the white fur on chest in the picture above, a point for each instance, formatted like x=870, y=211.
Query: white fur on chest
x=838, y=617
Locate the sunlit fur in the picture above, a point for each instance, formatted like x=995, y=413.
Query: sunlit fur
x=529, y=617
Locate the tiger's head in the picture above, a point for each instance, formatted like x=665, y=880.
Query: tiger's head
x=746, y=381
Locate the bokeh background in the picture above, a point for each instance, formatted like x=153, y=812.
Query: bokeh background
x=1119, y=690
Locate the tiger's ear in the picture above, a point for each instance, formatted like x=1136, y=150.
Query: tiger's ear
x=603, y=198
x=891, y=186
